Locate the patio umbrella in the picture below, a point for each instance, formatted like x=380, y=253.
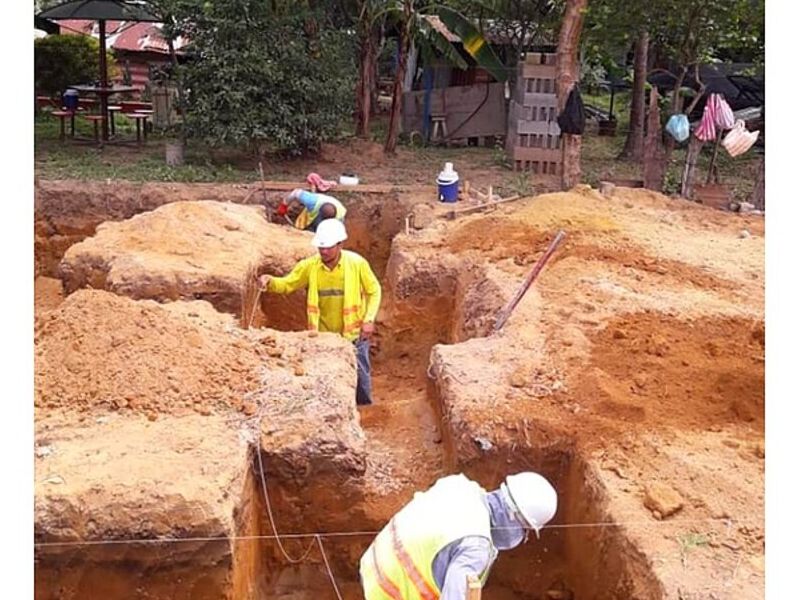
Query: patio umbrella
x=101, y=11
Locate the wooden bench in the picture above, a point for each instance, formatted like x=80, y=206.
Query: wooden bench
x=112, y=110
x=63, y=115
x=141, y=124
x=95, y=120
x=129, y=106
x=47, y=102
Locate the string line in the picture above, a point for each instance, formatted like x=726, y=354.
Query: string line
x=343, y=534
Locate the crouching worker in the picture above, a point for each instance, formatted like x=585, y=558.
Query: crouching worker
x=317, y=207
x=343, y=295
x=451, y=531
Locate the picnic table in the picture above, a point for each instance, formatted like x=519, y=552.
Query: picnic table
x=103, y=93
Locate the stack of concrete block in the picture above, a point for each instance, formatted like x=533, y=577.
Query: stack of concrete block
x=533, y=141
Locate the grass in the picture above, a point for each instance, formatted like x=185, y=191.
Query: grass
x=56, y=160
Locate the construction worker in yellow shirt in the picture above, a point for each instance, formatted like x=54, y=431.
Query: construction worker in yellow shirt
x=343, y=295
x=451, y=532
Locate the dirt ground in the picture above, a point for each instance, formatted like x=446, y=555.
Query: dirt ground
x=639, y=350
x=632, y=374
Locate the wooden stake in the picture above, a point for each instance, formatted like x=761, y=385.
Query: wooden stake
x=714, y=158
x=470, y=209
x=267, y=207
x=473, y=588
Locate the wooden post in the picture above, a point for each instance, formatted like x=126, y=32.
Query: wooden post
x=653, y=167
x=713, y=165
x=473, y=588
x=687, y=177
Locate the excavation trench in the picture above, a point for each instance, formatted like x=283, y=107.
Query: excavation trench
x=428, y=305
x=409, y=444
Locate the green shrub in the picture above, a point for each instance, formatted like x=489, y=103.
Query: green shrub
x=258, y=79
x=64, y=60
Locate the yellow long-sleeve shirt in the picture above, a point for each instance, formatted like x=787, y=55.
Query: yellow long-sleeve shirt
x=327, y=293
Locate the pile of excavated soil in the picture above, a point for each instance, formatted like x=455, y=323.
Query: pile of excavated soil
x=184, y=250
x=103, y=351
x=47, y=294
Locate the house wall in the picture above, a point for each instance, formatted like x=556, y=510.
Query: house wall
x=458, y=103
x=139, y=65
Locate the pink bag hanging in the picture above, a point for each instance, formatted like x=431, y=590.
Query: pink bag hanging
x=707, y=130
x=723, y=115
x=739, y=140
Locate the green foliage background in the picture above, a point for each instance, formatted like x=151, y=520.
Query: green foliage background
x=62, y=60
x=272, y=82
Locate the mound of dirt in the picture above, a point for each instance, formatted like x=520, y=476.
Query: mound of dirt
x=99, y=350
x=184, y=250
x=124, y=477
x=47, y=294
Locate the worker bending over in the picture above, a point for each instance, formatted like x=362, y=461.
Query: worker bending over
x=317, y=207
x=451, y=531
x=343, y=295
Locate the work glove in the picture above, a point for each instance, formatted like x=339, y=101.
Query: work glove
x=283, y=209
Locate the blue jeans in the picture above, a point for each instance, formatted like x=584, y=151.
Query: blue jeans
x=364, y=384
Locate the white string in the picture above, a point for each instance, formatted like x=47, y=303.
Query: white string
x=334, y=534
x=272, y=520
x=328, y=567
x=253, y=312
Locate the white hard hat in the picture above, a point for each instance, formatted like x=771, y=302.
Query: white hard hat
x=329, y=233
x=532, y=497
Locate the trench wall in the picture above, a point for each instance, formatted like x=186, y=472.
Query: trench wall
x=66, y=212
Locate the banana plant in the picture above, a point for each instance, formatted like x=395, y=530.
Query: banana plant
x=413, y=25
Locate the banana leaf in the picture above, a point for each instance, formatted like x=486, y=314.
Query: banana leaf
x=474, y=43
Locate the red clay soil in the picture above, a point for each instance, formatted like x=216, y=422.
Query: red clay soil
x=47, y=294
x=102, y=351
x=664, y=372
x=636, y=359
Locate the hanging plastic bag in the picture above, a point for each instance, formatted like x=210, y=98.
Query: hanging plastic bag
x=723, y=115
x=739, y=140
x=573, y=118
x=678, y=127
x=707, y=130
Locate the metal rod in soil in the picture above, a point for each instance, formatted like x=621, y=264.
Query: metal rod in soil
x=505, y=313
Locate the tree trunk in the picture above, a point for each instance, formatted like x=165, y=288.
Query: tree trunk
x=676, y=102
x=654, y=163
x=179, y=82
x=567, y=74
x=757, y=199
x=687, y=179
x=634, y=143
x=411, y=68
x=364, y=87
x=404, y=44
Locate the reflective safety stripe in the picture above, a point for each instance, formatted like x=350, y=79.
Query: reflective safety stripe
x=331, y=293
x=352, y=327
x=350, y=310
x=424, y=589
x=389, y=588
x=312, y=309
